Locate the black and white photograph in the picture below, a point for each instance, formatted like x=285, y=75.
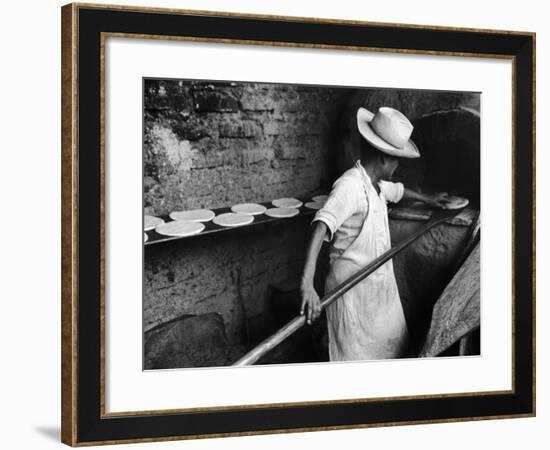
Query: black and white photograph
x=290, y=223
x=243, y=225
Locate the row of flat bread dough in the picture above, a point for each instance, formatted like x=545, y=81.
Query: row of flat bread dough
x=188, y=223
x=174, y=228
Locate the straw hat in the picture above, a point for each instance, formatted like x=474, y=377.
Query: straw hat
x=389, y=131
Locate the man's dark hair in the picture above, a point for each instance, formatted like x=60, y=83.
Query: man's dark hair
x=368, y=152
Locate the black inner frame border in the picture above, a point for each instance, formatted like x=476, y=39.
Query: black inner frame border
x=91, y=426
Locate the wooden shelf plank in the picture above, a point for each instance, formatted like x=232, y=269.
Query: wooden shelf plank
x=422, y=212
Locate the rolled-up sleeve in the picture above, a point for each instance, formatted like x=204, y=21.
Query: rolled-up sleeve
x=340, y=205
x=393, y=192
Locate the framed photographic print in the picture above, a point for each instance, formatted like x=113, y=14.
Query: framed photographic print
x=273, y=224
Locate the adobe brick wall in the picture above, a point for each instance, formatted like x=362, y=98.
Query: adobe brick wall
x=213, y=145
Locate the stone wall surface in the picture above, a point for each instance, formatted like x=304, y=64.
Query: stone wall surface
x=215, y=144
x=227, y=274
x=221, y=273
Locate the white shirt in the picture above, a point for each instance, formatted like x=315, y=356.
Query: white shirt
x=367, y=322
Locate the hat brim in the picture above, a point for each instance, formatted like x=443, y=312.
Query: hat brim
x=364, y=117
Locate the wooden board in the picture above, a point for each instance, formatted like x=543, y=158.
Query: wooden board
x=421, y=212
x=464, y=218
x=211, y=227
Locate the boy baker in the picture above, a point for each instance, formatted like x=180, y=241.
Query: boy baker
x=367, y=322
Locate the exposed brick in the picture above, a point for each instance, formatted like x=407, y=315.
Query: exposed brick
x=215, y=101
x=238, y=128
x=255, y=155
x=259, y=98
x=168, y=96
x=294, y=147
x=191, y=130
x=237, y=143
x=212, y=159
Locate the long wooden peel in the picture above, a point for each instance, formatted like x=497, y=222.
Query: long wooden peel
x=295, y=324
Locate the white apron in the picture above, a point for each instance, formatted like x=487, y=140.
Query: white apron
x=367, y=322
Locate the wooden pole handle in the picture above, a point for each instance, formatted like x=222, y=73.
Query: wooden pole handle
x=295, y=324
